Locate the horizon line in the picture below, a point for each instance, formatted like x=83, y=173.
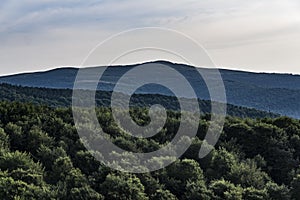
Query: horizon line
x=139, y=63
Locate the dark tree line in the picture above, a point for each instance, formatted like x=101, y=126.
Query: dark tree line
x=63, y=98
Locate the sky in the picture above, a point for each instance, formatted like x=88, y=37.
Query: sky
x=257, y=35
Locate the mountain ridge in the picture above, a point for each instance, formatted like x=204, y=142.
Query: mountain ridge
x=278, y=93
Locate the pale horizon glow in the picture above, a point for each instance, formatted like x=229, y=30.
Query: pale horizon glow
x=256, y=36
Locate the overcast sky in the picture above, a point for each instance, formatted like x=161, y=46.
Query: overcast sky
x=257, y=35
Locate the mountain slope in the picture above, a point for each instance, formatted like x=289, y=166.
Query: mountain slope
x=63, y=98
x=278, y=93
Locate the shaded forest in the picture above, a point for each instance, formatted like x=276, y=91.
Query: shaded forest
x=63, y=98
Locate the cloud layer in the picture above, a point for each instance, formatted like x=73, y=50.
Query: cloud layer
x=258, y=35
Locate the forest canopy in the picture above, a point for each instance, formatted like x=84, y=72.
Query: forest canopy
x=42, y=157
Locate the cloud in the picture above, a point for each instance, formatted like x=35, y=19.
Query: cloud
x=53, y=32
x=32, y=15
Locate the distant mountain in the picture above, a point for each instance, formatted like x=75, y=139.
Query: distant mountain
x=278, y=93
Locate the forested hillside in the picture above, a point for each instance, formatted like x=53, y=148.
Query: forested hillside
x=41, y=157
x=63, y=98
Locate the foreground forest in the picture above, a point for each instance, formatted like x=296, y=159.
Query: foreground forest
x=41, y=157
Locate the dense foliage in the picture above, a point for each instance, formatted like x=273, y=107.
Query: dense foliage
x=41, y=157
